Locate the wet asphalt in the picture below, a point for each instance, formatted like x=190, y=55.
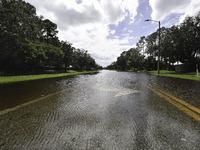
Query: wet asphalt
x=109, y=110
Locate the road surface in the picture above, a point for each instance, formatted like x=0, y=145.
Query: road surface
x=109, y=110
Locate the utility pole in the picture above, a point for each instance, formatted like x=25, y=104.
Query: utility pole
x=158, y=65
x=158, y=62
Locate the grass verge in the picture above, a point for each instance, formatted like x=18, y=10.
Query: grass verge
x=189, y=76
x=11, y=79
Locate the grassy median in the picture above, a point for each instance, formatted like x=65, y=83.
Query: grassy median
x=189, y=76
x=10, y=79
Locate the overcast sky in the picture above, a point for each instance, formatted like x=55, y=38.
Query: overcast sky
x=108, y=27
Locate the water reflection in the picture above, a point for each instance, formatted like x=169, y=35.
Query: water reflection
x=89, y=115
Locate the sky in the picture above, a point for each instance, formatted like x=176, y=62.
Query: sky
x=106, y=28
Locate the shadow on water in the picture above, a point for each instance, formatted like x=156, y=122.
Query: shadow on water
x=98, y=112
x=13, y=94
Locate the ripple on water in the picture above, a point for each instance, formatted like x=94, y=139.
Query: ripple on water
x=88, y=116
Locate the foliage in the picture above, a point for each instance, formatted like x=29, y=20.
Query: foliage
x=29, y=43
x=131, y=59
x=180, y=43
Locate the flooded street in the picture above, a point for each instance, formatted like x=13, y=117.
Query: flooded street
x=109, y=110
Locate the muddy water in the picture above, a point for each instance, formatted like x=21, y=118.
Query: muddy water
x=109, y=110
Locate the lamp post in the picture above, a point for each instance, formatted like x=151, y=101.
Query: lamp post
x=158, y=63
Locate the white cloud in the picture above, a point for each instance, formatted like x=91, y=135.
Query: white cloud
x=117, y=10
x=130, y=31
x=131, y=6
x=192, y=9
x=162, y=8
x=112, y=32
x=85, y=23
x=113, y=11
x=125, y=40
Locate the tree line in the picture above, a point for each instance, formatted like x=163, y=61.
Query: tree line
x=29, y=43
x=179, y=44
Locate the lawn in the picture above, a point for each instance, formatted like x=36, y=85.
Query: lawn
x=189, y=76
x=10, y=79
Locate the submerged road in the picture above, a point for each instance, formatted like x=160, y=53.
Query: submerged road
x=109, y=110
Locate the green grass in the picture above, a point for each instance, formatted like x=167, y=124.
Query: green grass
x=162, y=72
x=10, y=79
x=189, y=76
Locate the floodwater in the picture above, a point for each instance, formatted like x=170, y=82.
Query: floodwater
x=109, y=110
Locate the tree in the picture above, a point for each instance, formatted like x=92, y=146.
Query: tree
x=140, y=44
x=189, y=31
x=68, y=51
x=150, y=63
x=170, y=45
x=49, y=31
x=29, y=43
x=151, y=44
x=18, y=18
x=122, y=61
x=180, y=43
x=136, y=59
x=112, y=66
x=131, y=59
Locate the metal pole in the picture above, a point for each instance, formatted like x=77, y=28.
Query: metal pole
x=158, y=62
x=158, y=65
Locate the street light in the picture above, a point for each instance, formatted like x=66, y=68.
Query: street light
x=158, y=64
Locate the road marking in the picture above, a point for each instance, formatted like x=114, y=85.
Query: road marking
x=180, y=101
x=28, y=103
x=126, y=92
x=120, y=91
x=176, y=104
x=101, y=88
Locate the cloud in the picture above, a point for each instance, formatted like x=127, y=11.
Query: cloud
x=85, y=23
x=113, y=11
x=64, y=14
x=112, y=32
x=162, y=8
x=131, y=6
x=130, y=31
x=116, y=11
